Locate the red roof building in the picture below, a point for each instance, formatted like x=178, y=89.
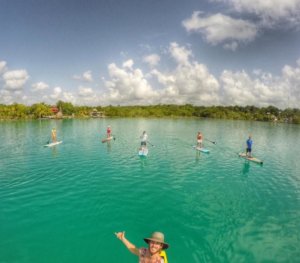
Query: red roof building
x=54, y=109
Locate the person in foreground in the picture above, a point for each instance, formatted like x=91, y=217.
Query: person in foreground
x=199, y=139
x=249, y=143
x=156, y=243
x=53, y=135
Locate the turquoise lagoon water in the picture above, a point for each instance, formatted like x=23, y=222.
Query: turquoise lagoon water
x=63, y=204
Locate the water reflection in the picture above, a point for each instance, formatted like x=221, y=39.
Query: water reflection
x=108, y=144
x=54, y=151
x=197, y=158
x=246, y=167
x=143, y=160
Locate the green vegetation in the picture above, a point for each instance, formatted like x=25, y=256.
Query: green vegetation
x=42, y=110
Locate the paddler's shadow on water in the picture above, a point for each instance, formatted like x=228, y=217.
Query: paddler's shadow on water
x=143, y=160
x=108, y=144
x=54, y=152
x=198, y=155
x=246, y=167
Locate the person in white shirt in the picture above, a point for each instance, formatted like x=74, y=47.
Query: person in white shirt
x=144, y=138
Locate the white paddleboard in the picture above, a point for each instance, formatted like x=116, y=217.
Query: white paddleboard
x=107, y=139
x=201, y=149
x=252, y=159
x=52, y=144
x=143, y=152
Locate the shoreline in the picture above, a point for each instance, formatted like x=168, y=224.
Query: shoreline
x=145, y=117
x=64, y=110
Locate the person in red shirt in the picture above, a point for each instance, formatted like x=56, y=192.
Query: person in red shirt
x=108, y=131
x=199, y=139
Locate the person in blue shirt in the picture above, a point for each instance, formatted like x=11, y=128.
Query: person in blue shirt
x=249, y=146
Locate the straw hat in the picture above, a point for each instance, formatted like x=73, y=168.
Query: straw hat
x=157, y=237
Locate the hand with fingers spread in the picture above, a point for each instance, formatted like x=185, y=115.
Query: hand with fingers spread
x=120, y=235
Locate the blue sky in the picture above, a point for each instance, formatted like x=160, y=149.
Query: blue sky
x=208, y=52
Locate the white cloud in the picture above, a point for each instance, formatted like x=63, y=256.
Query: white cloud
x=87, y=96
x=231, y=46
x=57, y=91
x=85, y=91
x=190, y=82
x=39, y=86
x=164, y=79
x=12, y=96
x=291, y=83
x=69, y=97
x=5, y=97
x=86, y=76
x=238, y=89
x=128, y=85
x=152, y=59
x=221, y=29
x=128, y=64
x=59, y=94
x=269, y=13
x=180, y=54
x=2, y=66
x=263, y=89
x=15, y=79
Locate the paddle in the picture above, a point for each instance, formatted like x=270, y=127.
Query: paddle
x=151, y=144
x=211, y=141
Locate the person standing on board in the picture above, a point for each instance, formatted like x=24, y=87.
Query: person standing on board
x=156, y=244
x=199, y=139
x=249, y=143
x=108, y=132
x=144, y=138
x=53, y=135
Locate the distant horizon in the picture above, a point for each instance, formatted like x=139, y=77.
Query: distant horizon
x=148, y=105
x=213, y=52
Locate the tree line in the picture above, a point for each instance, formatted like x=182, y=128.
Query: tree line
x=42, y=110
